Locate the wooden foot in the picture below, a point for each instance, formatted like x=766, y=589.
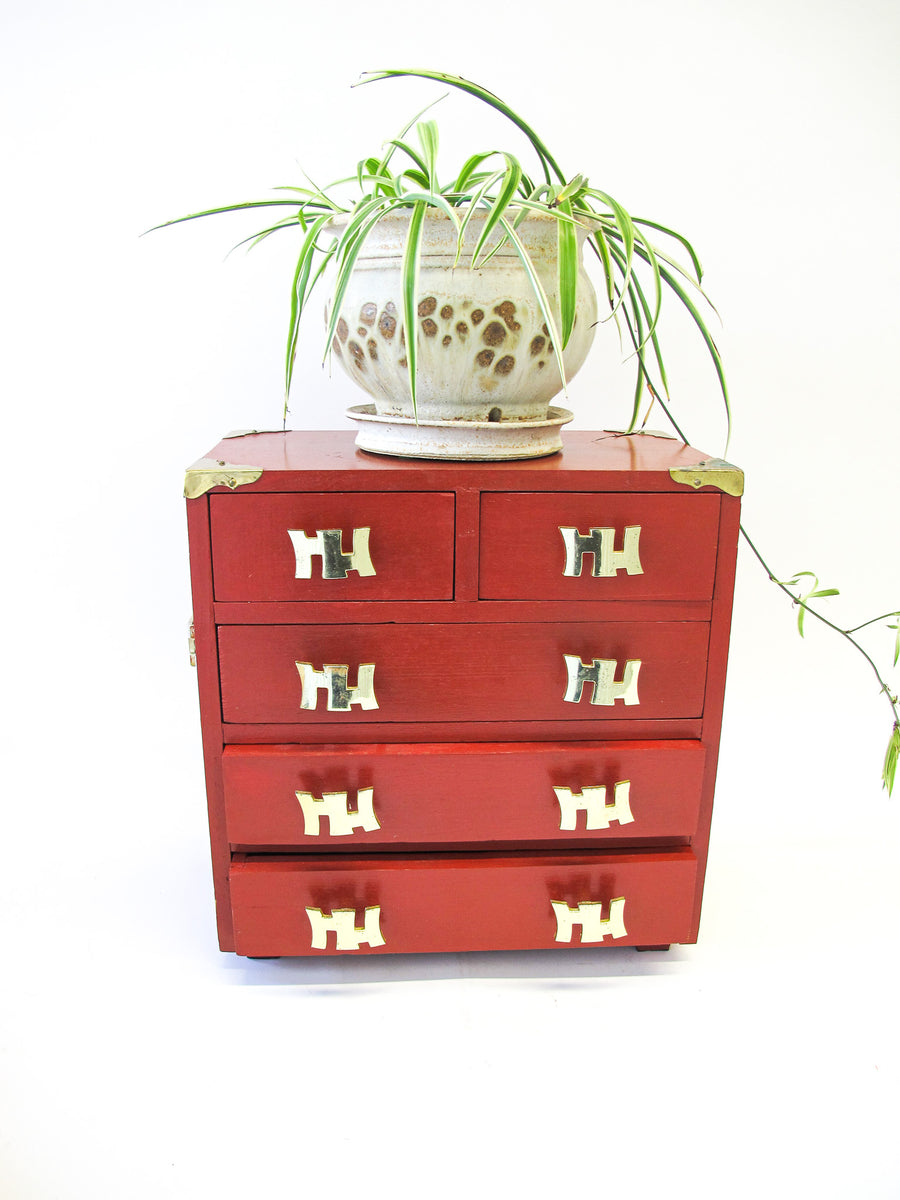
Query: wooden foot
x=652, y=947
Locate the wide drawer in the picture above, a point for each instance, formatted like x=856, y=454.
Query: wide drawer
x=306, y=674
x=598, y=546
x=388, y=795
x=383, y=904
x=333, y=546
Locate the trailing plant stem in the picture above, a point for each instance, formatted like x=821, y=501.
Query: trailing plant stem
x=845, y=633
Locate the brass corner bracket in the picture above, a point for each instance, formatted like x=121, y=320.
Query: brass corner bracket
x=208, y=473
x=713, y=472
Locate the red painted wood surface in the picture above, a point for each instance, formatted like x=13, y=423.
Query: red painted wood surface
x=461, y=672
x=460, y=793
x=410, y=543
x=314, y=460
x=455, y=903
x=523, y=553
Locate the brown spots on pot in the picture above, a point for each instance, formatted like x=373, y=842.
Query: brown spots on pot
x=427, y=306
x=342, y=329
x=357, y=354
x=462, y=329
x=336, y=346
x=372, y=346
x=368, y=312
x=362, y=331
x=429, y=327
x=446, y=340
x=507, y=310
x=493, y=333
x=402, y=362
x=387, y=322
x=477, y=316
x=447, y=312
x=505, y=364
x=484, y=358
x=537, y=345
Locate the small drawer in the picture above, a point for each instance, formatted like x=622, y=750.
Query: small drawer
x=399, y=904
x=598, y=546
x=383, y=796
x=333, y=546
x=323, y=675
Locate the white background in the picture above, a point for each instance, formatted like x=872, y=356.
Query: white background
x=136, y=1060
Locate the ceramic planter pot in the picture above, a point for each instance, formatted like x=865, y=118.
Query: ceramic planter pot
x=484, y=350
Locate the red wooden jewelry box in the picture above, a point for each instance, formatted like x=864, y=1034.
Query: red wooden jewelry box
x=459, y=706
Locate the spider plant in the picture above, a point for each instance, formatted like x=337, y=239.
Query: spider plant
x=404, y=176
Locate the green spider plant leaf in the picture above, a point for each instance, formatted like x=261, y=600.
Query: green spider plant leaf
x=412, y=153
x=543, y=301
x=419, y=178
x=428, y=139
x=576, y=185
x=695, y=261
x=255, y=238
x=212, y=212
x=711, y=346
x=409, y=281
x=349, y=244
x=896, y=642
x=891, y=757
x=500, y=206
x=638, y=297
x=300, y=289
x=468, y=169
x=814, y=592
x=548, y=162
x=566, y=272
x=624, y=226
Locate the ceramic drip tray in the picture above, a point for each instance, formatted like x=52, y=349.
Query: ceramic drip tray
x=460, y=441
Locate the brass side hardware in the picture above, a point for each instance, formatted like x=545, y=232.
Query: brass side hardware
x=192, y=643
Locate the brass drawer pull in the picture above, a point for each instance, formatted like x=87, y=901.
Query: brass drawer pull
x=592, y=800
x=589, y=915
x=600, y=543
x=342, y=820
x=333, y=680
x=328, y=543
x=601, y=674
x=342, y=922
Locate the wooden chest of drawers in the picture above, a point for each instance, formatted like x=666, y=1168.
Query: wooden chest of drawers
x=454, y=707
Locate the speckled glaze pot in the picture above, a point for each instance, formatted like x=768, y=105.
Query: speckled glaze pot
x=484, y=351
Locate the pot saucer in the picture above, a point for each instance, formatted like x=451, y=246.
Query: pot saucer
x=459, y=441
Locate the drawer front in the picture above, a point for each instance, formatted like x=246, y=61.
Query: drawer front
x=370, y=674
x=333, y=546
x=380, y=796
x=598, y=546
x=399, y=904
